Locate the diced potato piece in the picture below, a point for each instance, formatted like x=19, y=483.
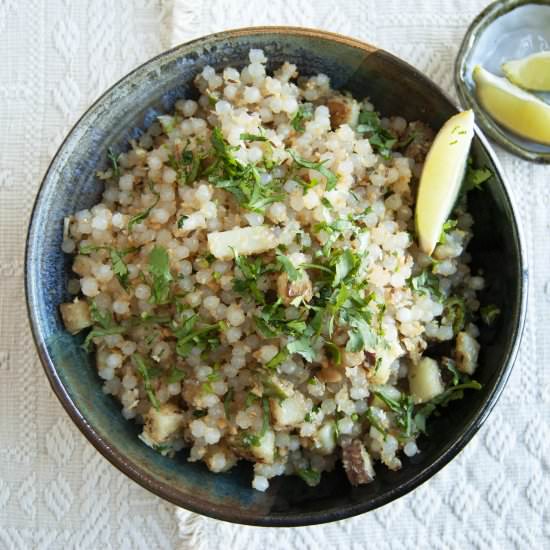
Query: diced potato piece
x=242, y=240
x=325, y=439
x=357, y=463
x=425, y=380
x=288, y=412
x=76, y=315
x=162, y=425
x=265, y=451
x=466, y=354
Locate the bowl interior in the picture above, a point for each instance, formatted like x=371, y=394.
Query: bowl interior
x=506, y=30
x=70, y=185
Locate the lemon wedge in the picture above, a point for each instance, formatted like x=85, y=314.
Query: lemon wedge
x=517, y=110
x=442, y=177
x=531, y=72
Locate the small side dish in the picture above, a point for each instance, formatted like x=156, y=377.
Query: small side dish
x=508, y=101
x=253, y=284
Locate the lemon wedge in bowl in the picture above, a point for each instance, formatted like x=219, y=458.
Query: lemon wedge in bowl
x=442, y=177
x=531, y=72
x=515, y=109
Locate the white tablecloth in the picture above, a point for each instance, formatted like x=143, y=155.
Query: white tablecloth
x=56, y=491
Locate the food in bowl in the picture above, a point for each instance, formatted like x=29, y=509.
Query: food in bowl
x=253, y=284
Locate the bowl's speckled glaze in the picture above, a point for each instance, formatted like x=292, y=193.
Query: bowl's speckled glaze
x=70, y=185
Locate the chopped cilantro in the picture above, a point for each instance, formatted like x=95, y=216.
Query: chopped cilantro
x=475, y=177
x=304, y=112
x=146, y=373
x=455, y=312
x=302, y=346
x=107, y=326
x=426, y=283
x=138, y=218
x=447, y=226
x=278, y=359
x=333, y=352
x=243, y=181
x=251, y=269
x=252, y=137
x=176, y=375
x=489, y=313
x=187, y=166
x=293, y=273
x=189, y=335
x=320, y=167
x=381, y=139
x=114, y=162
x=310, y=476
x=159, y=269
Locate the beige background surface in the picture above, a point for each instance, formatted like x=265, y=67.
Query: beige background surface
x=56, y=491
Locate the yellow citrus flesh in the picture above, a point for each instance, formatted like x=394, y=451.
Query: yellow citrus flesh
x=515, y=109
x=531, y=72
x=442, y=177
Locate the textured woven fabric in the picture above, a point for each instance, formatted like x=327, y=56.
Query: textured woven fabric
x=56, y=491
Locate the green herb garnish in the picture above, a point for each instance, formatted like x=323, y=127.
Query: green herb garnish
x=146, y=373
x=304, y=112
x=310, y=476
x=381, y=139
x=320, y=167
x=114, y=162
x=489, y=313
x=138, y=218
x=159, y=269
x=176, y=375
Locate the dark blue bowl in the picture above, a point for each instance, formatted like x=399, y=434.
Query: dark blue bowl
x=70, y=185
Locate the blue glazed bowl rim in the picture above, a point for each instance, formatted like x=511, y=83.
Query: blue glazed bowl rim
x=164, y=489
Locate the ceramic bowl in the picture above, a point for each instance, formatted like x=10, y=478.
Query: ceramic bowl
x=507, y=29
x=70, y=185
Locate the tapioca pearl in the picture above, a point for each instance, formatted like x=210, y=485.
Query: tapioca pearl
x=114, y=360
x=89, y=286
x=121, y=307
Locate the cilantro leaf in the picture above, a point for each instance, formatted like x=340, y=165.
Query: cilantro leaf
x=138, y=218
x=455, y=312
x=489, y=313
x=251, y=269
x=102, y=318
x=107, y=326
x=159, y=268
x=252, y=137
x=474, y=177
x=146, y=373
x=189, y=335
x=310, y=476
x=293, y=273
x=187, y=165
x=304, y=112
x=303, y=347
x=447, y=226
x=344, y=265
x=243, y=181
x=318, y=166
x=381, y=139
x=175, y=375
x=426, y=283
x=114, y=162
x=120, y=269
